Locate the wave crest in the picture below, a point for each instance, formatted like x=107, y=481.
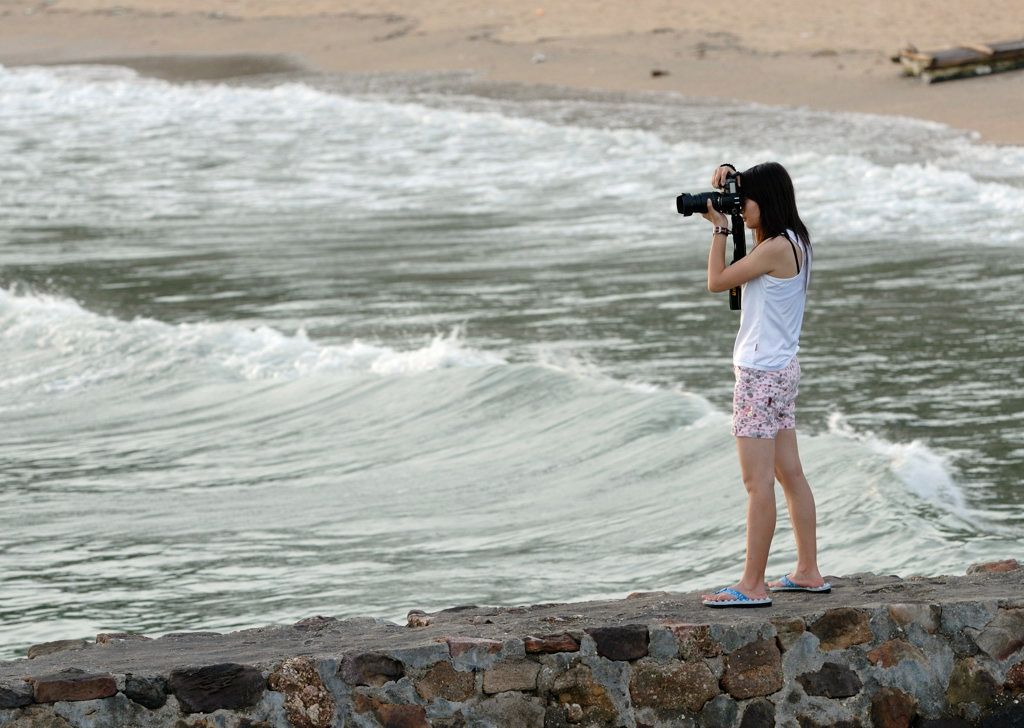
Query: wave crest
x=56, y=343
x=925, y=473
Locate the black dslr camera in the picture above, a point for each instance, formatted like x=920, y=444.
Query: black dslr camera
x=728, y=202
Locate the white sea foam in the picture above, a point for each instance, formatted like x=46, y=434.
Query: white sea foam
x=469, y=161
x=66, y=346
x=925, y=473
x=57, y=345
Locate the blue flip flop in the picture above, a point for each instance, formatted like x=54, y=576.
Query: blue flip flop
x=741, y=600
x=790, y=585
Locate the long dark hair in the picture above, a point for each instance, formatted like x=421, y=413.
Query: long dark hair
x=769, y=185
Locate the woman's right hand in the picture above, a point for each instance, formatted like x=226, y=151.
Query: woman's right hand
x=719, y=175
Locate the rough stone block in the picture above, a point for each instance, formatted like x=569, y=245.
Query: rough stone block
x=563, y=715
x=149, y=691
x=486, y=654
x=1007, y=716
x=508, y=709
x=716, y=665
x=511, y=675
x=307, y=701
x=420, y=656
x=117, y=638
x=418, y=618
x=369, y=668
x=833, y=680
x=577, y=686
x=994, y=567
x=694, y=640
x=37, y=716
x=924, y=615
x=842, y=627
x=461, y=645
x=14, y=694
x=387, y=714
x=73, y=684
x=620, y=642
x=891, y=708
x=733, y=636
x=1004, y=635
x=401, y=716
x=892, y=652
x=788, y=630
x=963, y=621
x=444, y=681
x=925, y=679
x=970, y=682
x=550, y=643
x=49, y=648
x=759, y=713
x=719, y=712
x=362, y=702
x=662, y=643
x=1015, y=679
x=753, y=670
x=673, y=686
x=225, y=685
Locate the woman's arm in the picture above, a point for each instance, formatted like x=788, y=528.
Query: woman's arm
x=762, y=259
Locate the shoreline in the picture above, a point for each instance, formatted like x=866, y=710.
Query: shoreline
x=239, y=38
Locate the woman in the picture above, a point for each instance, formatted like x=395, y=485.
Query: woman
x=774, y=278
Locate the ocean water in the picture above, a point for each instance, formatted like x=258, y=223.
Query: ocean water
x=317, y=345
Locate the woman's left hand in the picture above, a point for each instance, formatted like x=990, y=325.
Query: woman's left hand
x=714, y=216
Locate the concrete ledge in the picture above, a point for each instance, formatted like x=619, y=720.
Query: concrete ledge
x=877, y=651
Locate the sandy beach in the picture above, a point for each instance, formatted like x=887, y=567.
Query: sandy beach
x=789, y=53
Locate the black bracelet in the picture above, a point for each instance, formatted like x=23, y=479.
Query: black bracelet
x=726, y=164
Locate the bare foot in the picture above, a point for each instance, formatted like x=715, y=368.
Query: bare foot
x=809, y=580
x=755, y=593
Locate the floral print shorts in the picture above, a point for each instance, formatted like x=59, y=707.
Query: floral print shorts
x=765, y=402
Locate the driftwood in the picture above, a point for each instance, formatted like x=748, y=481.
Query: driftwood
x=964, y=61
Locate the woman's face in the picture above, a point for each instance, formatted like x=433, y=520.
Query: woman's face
x=751, y=213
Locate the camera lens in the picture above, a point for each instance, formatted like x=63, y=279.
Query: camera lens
x=688, y=204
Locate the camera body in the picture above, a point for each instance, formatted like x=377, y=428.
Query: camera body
x=729, y=202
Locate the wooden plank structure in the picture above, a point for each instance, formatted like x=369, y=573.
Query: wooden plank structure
x=965, y=61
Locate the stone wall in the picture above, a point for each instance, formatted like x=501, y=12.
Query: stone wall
x=879, y=655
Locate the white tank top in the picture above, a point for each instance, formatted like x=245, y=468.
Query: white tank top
x=771, y=317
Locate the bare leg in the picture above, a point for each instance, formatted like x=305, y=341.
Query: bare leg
x=757, y=463
x=800, y=502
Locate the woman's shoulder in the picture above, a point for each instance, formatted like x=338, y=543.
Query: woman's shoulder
x=781, y=249
x=782, y=240
x=779, y=242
